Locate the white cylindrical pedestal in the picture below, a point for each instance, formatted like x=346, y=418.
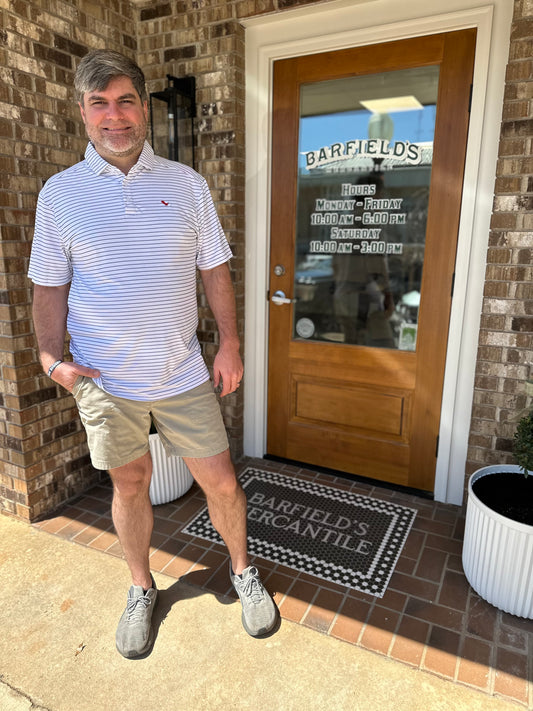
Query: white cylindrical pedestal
x=170, y=476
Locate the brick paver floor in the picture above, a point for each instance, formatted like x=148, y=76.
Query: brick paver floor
x=429, y=617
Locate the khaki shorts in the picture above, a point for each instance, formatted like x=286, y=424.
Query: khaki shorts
x=189, y=424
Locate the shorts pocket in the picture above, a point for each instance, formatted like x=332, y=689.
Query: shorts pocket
x=78, y=383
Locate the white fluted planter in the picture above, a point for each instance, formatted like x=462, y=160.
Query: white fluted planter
x=498, y=553
x=170, y=476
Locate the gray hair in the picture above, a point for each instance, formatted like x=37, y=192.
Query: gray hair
x=97, y=68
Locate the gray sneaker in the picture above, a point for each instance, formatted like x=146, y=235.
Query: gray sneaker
x=259, y=613
x=135, y=635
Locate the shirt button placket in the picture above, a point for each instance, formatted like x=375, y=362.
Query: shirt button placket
x=128, y=198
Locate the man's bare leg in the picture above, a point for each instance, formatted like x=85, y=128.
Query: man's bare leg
x=133, y=516
x=226, y=502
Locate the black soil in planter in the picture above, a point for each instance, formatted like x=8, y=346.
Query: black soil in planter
x=507, y=493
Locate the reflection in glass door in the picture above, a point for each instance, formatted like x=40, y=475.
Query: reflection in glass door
x=365, y=157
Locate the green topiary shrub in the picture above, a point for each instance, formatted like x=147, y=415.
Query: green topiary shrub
x=523, y=444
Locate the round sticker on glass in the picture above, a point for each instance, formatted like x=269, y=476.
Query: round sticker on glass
x=305, y=328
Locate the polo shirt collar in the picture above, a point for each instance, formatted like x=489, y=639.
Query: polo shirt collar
x=100, y=166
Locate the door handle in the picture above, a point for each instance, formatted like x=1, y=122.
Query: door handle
x=279, y=298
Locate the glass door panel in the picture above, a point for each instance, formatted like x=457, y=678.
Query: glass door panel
x=365, y=157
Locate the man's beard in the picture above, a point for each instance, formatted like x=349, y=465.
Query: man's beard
x=120, y=146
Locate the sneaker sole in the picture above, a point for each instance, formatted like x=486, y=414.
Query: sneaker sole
x=263, y=631
x=148, y=646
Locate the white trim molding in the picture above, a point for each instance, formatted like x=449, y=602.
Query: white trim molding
x=349, y=23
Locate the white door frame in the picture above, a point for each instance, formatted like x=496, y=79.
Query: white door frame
x=348, y=23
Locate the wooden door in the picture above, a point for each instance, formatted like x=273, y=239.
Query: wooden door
x=367, y=168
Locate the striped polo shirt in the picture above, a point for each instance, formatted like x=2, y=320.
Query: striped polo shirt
x=130, y=245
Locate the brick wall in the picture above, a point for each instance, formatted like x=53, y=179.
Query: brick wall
x=505, y=355
x=43, y=455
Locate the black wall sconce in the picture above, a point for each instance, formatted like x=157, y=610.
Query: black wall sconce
x=172, y=113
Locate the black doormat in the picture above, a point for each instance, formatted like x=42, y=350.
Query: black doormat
x=343, y=537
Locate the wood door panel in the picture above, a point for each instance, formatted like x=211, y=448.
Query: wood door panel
x=381, y=366
x=373, y=411
x=422, y=51
x=378, y=459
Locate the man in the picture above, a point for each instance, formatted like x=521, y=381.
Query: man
x=118, y=239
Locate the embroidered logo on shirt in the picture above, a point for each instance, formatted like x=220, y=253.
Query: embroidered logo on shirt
x=164, y=203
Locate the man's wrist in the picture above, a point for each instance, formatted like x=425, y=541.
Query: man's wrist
x=230, y=344
x=54, y=365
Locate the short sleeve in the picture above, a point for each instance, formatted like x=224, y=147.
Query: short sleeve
x=49, y=265
x=213, y=247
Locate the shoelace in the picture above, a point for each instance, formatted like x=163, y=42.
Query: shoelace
x=252, y=589
x=136, y=606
